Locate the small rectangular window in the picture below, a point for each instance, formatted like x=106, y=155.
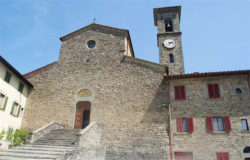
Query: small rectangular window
x=3, y=101
x=222, y=155
x=213, y=91
x=180, y=93
x=244, y=125
x=184, y=125
x=15, y=109
x=20, y=88
x=218, y=124
x=7, y=77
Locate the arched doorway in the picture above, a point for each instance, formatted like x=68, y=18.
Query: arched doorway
x=82, y=114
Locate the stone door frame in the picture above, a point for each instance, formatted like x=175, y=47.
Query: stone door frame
x=83, y=98
x=81, y=107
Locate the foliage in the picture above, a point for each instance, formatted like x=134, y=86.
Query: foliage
x=20, y=136
x=2, y=134
x=9, y=136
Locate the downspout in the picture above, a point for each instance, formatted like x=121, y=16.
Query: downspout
x=170, y=122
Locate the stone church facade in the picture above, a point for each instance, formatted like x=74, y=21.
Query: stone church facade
x=145, y=110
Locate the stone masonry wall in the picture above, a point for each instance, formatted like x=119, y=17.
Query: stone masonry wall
x=127, y=98
x=203, y=144
x=178, y=66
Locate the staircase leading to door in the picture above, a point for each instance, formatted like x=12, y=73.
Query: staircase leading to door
x=52, y=146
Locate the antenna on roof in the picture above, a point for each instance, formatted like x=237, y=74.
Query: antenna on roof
x=94, y=21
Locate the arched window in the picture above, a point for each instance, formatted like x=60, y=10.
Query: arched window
x=246, y=150
x=168, y=25
x=171, y=58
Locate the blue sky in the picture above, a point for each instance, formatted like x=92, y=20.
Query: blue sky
x=216, y=33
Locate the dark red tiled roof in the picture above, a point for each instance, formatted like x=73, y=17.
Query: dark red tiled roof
x=208, y=74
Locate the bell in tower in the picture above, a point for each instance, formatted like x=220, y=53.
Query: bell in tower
x=168, y=26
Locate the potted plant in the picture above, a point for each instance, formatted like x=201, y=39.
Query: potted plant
x=2, y=134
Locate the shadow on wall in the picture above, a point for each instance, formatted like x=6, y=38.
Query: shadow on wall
x=157, y=112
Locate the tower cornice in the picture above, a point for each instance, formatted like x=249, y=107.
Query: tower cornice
x=164, y=10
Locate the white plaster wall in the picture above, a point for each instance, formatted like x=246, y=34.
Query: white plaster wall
x=11, y=91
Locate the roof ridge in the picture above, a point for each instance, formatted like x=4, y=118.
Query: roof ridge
x=15, y=71
x=31, y=74
x=208, y=74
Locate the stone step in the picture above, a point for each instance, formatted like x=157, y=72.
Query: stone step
x=55, y=140
x=58, y=135
x=21, y=151
x=48, y=146
x=65, y=131
x=52, y=149
x=21, y=158
x=28, y=155
x=52, y=141
x=55, y=144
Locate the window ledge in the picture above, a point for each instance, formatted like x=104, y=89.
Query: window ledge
x=214, y=99
x=183, y=133
x=180, y=100
x=219, y=132
x=14, y=115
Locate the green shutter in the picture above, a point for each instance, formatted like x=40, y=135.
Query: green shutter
x=7, y=77
x=5, y=103
x=19, y=110
x=12, y=109
x=20, y=88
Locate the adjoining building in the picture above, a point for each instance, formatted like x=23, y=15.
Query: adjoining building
x=145, y=110
x=14, y=90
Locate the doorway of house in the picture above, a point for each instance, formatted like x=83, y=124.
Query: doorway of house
x=82, y=114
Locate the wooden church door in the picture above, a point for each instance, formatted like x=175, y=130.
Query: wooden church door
x=82, y=114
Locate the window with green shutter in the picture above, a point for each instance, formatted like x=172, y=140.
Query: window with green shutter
x=15, y=110
x=19, y=109
x=20, y=88
x=3, y=101
x=7, y=77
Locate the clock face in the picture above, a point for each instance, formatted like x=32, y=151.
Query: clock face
x=169, y=43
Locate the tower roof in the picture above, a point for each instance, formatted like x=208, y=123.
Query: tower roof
x=166, y=9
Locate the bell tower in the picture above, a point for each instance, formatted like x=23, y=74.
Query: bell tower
x=169, y=38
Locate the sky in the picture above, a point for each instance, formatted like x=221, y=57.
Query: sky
x=215, y=33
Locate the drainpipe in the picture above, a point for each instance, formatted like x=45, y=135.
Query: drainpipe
x=170, y=132
x=170, y=122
